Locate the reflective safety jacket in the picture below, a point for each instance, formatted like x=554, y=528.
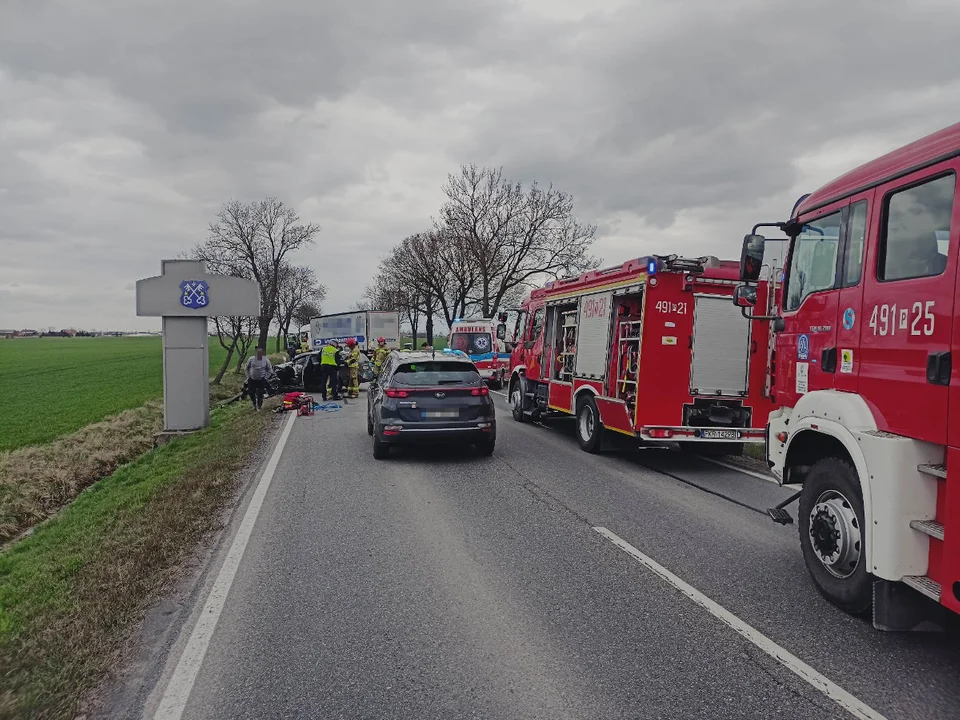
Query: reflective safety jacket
x=328, y=356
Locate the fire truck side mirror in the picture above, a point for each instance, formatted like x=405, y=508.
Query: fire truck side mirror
x=744, y=296
x=501, y=331
x=751, y=257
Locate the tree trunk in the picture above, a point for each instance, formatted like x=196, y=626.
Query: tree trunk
x=429, y=326
x=265, y=321
x=223, y=368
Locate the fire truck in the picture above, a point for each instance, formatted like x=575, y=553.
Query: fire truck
x=869, y=416
x=652, y=349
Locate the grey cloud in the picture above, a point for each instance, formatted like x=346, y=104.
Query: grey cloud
x=125, y=125
x=713, y=109
x=204, y=66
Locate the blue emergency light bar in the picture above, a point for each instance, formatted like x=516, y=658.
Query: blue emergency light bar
x=652, y=266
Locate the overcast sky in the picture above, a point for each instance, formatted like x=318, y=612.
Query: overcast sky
x=676, y=125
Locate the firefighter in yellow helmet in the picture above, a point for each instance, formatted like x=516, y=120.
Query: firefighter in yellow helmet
x=380, y=355
x=353, y=365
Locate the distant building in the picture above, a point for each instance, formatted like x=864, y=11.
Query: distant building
x=9, y=334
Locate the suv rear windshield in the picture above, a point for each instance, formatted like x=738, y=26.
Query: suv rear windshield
x=435, y=372
x=472, y=343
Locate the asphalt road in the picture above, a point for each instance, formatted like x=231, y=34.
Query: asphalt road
x=439, y=584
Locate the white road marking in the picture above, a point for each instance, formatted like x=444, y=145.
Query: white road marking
x=501, y=394
x=840, y=696
x=178, y=690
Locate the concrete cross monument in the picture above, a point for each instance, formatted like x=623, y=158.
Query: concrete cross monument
x=185, y=295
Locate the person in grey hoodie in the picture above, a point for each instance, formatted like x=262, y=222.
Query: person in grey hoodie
x=258, y=369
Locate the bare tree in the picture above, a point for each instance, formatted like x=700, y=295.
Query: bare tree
x=245, y=338
x=436, y=265
x=390, y=290
x=298, y=286
x=306, y=312
x=511, y=238
x=229, y=331
x=259, y=236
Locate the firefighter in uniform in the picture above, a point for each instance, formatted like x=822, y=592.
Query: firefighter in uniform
x=380, y=355
x=353, y=365
x=328, y=369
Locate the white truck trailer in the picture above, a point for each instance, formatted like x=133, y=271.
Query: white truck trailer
x=364, y=326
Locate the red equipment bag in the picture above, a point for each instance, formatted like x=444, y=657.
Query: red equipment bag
x=306, y=405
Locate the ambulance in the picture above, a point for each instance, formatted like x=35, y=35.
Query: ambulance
x=483, y=342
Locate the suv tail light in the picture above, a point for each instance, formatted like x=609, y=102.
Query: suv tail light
x=391, y=393
x=484, y=390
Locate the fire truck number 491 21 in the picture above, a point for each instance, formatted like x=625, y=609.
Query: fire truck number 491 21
x=887, y=319
x=665, y=306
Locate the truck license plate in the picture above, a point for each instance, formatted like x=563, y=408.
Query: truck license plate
x=441, y=413
x=720, y=434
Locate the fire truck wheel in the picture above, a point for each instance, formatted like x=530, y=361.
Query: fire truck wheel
x=589, y=428
x=516, y=399
x=831, y=518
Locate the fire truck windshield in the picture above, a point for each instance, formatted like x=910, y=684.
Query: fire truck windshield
x=813, y=260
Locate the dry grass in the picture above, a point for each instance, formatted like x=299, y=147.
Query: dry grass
x=72, y=591
x=36, y=482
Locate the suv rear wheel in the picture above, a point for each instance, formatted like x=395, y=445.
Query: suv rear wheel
x=486, y=447
x=381, y=451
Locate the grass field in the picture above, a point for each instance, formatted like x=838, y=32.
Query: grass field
x=71, y=592
x=53, y=386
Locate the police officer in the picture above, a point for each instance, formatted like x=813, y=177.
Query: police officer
x=328, y=369
x=353, y=366
x=380, y=355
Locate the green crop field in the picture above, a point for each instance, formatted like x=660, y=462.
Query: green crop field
x=53, y=386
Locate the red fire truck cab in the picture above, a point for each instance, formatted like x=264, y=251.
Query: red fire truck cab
x=869, y=418
x=651, y=349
